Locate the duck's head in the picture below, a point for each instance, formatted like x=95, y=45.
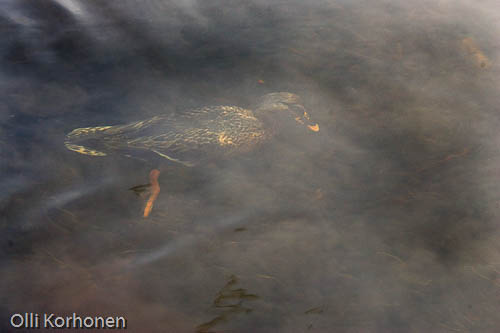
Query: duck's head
x=283, y=109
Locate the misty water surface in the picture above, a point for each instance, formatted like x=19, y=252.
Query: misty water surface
x=385, y=221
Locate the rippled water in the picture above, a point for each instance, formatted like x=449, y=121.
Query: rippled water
x=384, y=221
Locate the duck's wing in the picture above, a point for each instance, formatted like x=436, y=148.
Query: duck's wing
x=101, y=140
x=155, y=134
x=188, y=146
x=196, y=135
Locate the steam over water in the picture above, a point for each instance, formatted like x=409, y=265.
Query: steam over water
x=386, y=220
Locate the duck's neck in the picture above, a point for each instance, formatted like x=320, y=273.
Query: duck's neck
x=269, y=123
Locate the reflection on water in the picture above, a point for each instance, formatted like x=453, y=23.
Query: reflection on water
x=383, y=221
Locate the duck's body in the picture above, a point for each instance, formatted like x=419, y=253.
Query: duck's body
x=194, y=136
x=188, y=138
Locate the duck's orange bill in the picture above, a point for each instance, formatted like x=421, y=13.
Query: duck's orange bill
x=314, y=128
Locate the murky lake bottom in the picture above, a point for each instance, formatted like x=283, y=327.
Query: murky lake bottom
x=386, y=220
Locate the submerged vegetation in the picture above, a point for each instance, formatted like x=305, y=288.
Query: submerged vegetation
x=231, y=301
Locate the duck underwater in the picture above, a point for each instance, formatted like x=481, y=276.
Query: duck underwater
x=195, y=136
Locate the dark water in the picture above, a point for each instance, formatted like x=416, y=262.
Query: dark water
x=386, y=221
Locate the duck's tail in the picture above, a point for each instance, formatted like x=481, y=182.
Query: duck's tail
x=79, y=135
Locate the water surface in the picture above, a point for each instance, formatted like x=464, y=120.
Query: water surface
x=386, y=221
